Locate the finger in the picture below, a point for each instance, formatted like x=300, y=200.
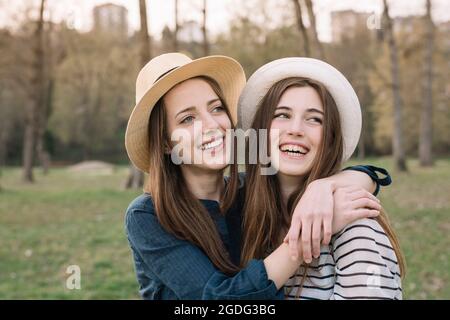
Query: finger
x=362, y=194
x=365, y=203
x=371, y=196
x=306, y=240
x=351, y=188
x=364, y=213
x=327, y=227
x=315, y=237
x=293, y=237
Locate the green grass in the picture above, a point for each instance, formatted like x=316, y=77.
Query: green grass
x=77, y=219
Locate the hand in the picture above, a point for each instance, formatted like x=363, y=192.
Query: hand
x=313, y=213
x=351, y=204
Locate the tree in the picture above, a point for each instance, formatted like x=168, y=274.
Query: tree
x=136, y=177
x=205, y=31
x=354, y=56
x=301, y=27
x=397, y=137
x=426, y=128
x=177, y=27
x=36, y=99
x=312, y=21
x=143, y=33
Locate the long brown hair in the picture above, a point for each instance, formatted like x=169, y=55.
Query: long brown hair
x=266, y=216
x=178, y=210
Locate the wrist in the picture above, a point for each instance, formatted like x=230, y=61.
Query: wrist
x=325, y=183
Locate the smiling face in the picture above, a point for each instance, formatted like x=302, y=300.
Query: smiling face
x=296, y=131
x=197, y=121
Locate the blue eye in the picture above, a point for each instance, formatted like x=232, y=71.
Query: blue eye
x=316, y=119
x=218, y=109
x=187, y=120
x=282, y=115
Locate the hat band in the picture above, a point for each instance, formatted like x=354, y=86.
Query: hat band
x=162, y=75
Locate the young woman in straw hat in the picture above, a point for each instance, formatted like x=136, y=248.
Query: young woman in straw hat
x=314, y=119
x=184, y=231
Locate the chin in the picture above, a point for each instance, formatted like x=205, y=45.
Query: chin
x=294, y=169
x=215, y=163
x=213, y=166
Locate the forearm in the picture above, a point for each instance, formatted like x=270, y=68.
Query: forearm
x=280, y=266
x=352, y=178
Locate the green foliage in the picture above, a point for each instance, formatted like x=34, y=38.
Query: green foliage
x=411, y=81
x=94, y=92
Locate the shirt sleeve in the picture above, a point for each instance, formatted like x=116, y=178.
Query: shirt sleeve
x=366, y=264
x=372, y=172
x=186, y=270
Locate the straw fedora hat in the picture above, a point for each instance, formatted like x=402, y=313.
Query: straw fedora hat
x=161, y=74
x=341, y=90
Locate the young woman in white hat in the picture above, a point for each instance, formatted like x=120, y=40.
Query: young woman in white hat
x=184, y=231
x=314, y=119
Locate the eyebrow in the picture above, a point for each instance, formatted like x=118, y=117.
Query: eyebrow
x=307, y=110
x=191, y=108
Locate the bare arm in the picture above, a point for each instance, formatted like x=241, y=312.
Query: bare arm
x=280, y=266
x=348, y=178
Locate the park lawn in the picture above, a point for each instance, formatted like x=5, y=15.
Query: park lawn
x=68, y=218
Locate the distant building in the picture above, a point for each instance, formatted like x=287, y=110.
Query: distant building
x=344, y=24
x=111, y=18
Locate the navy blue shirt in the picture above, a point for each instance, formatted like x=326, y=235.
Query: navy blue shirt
x=170, y=268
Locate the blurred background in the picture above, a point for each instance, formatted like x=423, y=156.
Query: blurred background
x=67, y=87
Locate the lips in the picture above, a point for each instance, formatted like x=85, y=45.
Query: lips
x=293, y=149
x=212, y=143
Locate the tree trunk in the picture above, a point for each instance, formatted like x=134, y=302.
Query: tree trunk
x=397, y=137
x=362, y=140
x=426, y=125
x=312, y=20
x=301, y=27
x=42, y=152
x=177, y=27
x=205, y=33
x=145, y=39
x=135, y=177
x=35, y=102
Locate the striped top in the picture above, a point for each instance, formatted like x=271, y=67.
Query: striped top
x=359, y=263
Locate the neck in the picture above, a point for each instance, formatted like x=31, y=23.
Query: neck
x=288, y=184
x=206, y=185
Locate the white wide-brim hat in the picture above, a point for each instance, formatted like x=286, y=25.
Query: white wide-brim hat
x=161, y=74
x=340, y=89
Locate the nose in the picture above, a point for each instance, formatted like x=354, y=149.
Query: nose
x=209, y=122
x=295, y=127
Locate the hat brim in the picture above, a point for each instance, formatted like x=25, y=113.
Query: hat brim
x=339, y=87
x=227, y=72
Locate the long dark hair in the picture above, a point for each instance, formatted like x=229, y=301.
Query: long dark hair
x=178, y=210
x=266, y=216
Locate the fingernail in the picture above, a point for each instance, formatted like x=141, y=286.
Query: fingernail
x=308, y=260
x=294, y=258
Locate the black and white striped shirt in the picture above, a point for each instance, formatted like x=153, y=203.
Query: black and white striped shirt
x=359, y=263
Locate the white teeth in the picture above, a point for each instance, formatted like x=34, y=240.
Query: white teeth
x=292, y=148
x=212, y=144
